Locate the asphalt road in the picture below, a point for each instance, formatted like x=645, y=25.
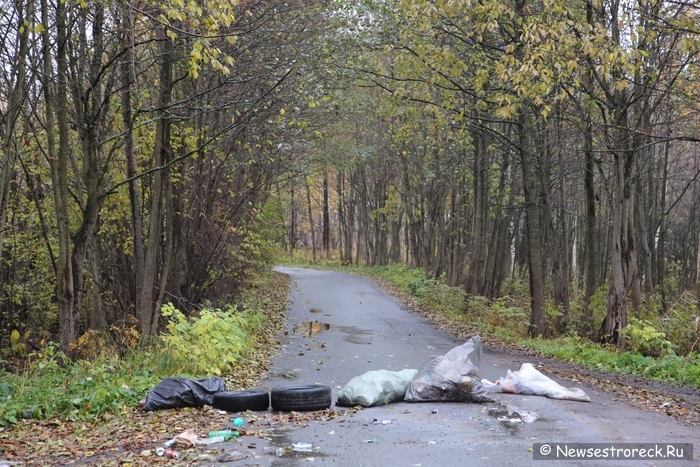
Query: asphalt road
x=340, y=326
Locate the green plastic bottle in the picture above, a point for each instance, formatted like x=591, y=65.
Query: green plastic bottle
x=227, y=434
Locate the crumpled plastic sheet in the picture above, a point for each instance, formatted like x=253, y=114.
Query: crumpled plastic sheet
x=454, y=376
x=529, y=381
x=377, y=387
x=182, y=392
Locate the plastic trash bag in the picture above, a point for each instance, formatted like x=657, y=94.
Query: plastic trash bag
x=454, y=376
x=183, y=392
x=492, y=388
x=528, y=380
x=377, y=387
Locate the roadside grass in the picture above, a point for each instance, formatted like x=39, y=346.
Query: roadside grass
x=651, y=353
x=233, y=341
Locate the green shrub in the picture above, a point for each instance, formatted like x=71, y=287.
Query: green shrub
x=644, y=338
x=212, y=342
x=10, y=407
x=444, y=298
x=681, y=324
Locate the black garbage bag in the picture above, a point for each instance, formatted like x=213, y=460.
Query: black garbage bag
x=454, y=376
x=183, y=392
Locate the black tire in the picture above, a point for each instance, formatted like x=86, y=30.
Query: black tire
x=300, y=398
x=239, y=401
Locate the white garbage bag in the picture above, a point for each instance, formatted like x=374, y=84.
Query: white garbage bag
x=529, y=381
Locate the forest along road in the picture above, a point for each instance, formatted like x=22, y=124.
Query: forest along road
x=341, y=326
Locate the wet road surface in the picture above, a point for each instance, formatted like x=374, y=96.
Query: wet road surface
x=340, y=326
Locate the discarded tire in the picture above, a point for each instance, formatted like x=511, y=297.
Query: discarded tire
x=300, y=398
x=239, y=401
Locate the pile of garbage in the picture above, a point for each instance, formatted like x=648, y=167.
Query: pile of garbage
x=454, y=376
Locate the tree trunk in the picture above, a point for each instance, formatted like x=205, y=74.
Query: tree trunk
x=621, y=239
x=616, y=318
x=341, y=218
x=169, y=247
x=661, y=249
x=13, y=102
x=89, y=110
x=500, y=238
x=326, y=217
x=292, y=220
x=643, y=227
x=563, y=269
x=98, y=318
x=126, y=73
x=534, y=230
x=481, y=192
x=161, y=152
x=311, y=219
x=57, y=113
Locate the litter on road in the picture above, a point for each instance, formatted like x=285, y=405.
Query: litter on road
x=454, y=376
x=529, y=381
x=378, y=387
x=302, y=447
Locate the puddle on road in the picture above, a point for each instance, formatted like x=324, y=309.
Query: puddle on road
x=510, y=418
x=311, y=328
x=291, y=374
x=353, y=334
x=281, y=445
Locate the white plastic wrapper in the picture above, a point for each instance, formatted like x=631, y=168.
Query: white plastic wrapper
x=528, y=380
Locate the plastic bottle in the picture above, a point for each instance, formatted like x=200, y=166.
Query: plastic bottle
x=214, y=440
x=227, y=434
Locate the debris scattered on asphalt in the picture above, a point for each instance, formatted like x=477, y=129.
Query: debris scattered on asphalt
x=207, y=441
x=302, y=447
x=233, y=456
x=381, y=422
x=187, y=438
